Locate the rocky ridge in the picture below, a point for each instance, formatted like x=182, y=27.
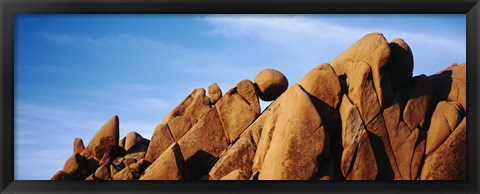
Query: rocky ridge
x=360, y=117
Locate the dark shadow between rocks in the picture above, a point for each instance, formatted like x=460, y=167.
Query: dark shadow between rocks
x=199, y=164
x=385, y=170
x=140, y=146
x=442, y=84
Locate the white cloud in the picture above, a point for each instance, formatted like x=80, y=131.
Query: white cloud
x=312, y=37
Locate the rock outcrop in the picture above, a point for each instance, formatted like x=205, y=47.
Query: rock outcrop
x=363, y=116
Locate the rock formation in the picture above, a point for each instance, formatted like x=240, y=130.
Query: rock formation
x=363, y=116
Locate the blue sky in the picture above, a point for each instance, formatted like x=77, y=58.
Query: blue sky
x=73, y=72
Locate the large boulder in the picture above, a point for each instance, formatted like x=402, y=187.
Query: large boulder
x=239, y=156
x=262, y=131
x=203, y=144
x=170, y=165
x=237, y=109
x=194, y=105
x=382, y=149
x=297, y=141
x=271, y=84
x=361, y=91
x=254, y=131
x=364, y=166
x=404, y=148
x=445, y=119
x=449, y=160
x=180, y=125
x=105, y=140
x=373, y=50
x=358, y=161
x=322, y=83
x=160, y=141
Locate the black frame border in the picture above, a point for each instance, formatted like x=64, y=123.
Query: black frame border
x=8, y=9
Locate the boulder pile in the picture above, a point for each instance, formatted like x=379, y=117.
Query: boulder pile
x=363, y=116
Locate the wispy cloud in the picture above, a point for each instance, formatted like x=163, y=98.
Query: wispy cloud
x=310, y=36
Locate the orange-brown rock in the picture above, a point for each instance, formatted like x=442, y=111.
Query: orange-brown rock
x=170, y=165
x=361, y=91
x=382, y=149
x=458, y=90
x=235, y=175
x=236, y=111
x=202, y=145
x=73, y=164
x=418, y=103
x=287, y=158
x=106, y=159
x=265, y=127
x=445, y=119
x=358, y=161
x=239, y=156
x=322, y=83
x=373, y=50
x=450, y=84
x=418, y=157
x=214, y=93
x=271, y=84
x=105, y=140
x=60, y=175
x=103, y=173
x=180, y=125
x=352, y=123
x=360, y=117
x=254, y=131
x=364, y=166
x=404, y=150
x=124, y=175
x=78, y=146
x=247, y=90
x=90, y=178
x=352, y=127
x=449, y=160
x=194, y=105
x=139, y=150
x=400, y=63
x=113, y=170
x=131, y=139
x=160, y=141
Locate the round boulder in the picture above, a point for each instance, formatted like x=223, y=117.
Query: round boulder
x=214, y=93
x=271, y=84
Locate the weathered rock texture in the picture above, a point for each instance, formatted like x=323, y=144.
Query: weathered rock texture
x=363, y=116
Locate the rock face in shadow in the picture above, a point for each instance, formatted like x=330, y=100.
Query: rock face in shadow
x=363, y=116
